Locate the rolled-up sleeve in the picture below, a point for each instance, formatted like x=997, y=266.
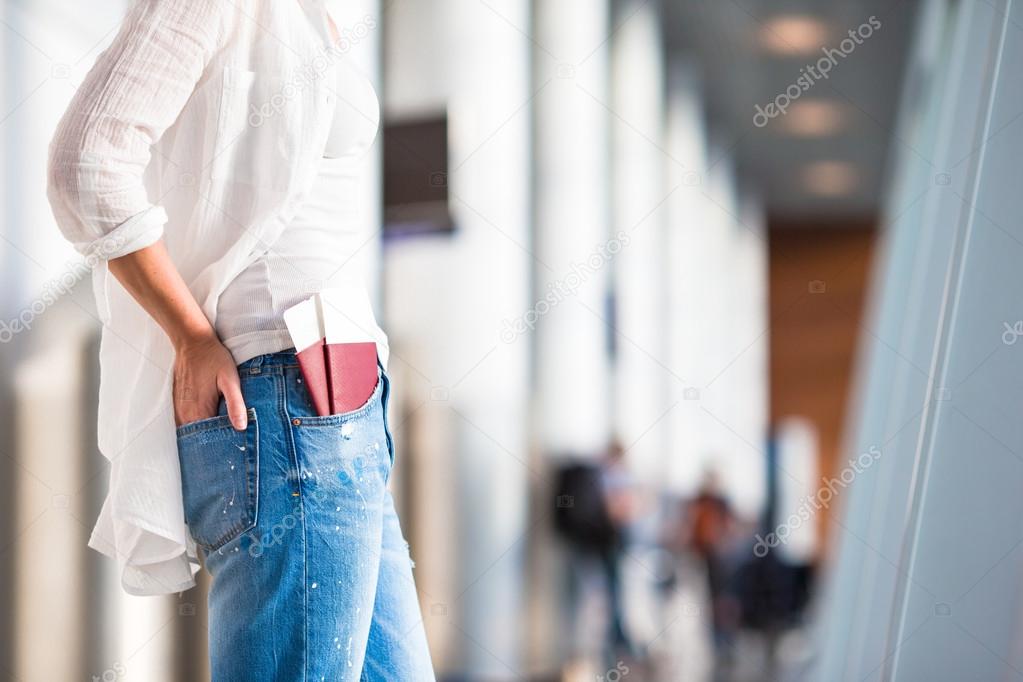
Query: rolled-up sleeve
x=102, y=146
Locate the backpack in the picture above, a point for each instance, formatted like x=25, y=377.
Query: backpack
x=580, y=513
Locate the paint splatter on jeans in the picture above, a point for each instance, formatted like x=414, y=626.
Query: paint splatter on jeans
x=312, y=578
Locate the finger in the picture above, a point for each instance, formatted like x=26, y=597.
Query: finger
x=232, y=390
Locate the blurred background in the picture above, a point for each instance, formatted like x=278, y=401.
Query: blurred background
x=703, y=323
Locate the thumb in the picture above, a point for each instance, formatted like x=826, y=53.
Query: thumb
x=231, y=388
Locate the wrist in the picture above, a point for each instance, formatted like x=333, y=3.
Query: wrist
x=191, y=338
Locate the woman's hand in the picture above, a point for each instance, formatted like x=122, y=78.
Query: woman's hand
x=203, y=368
x=203, y=371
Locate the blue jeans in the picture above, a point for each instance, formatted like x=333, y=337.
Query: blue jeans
x=312, y=578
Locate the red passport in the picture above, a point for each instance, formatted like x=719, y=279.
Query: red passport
x=340, y=377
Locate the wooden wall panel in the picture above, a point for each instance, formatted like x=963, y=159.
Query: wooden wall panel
x=818, y=281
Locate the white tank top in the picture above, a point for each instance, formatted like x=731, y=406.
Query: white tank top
x=318, y=249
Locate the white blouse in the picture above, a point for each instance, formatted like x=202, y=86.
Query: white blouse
x=320, y=245
x=203, y=123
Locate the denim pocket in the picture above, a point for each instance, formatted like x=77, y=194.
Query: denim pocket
x=219, y=478
x=344, y=417
x=344, y=450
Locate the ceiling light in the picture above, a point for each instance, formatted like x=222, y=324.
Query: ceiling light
x=813, y=118
x=830, y=178
x=793, y=35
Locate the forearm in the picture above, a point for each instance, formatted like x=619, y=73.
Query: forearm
x=154, y=282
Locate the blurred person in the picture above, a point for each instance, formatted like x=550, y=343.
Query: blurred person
x=203, y=411
x=621, y=502
x=774, y=583
x=710, y=530
x=595, y=504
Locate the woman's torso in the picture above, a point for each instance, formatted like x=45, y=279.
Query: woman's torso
x=319, y=247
